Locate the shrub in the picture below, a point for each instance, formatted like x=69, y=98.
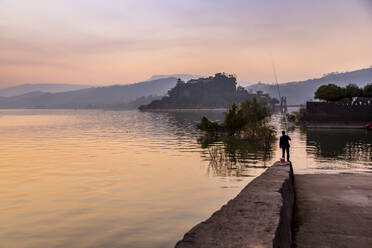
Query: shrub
x=253, y=111
x=250, y=119
x=234, y=121
x=209, y=126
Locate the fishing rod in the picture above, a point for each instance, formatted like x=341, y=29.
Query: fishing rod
x=284, y=116
x=276, y=79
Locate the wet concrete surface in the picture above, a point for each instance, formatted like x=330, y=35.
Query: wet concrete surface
x=333, y=211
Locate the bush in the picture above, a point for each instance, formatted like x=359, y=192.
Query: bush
x=248, y=120
x=253, y=111
x=234, y=121
x=209, y=126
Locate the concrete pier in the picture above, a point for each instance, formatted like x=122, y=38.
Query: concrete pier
x=279, y=209
x=260, y=216
x=333, y=211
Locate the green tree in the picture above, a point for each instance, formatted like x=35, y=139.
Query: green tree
x=330, y=92
x=367, y=90
x=250, y=118
x=234, y=121
x=253, y=111
x=352, y=90
x=209, y=126
x=219, y=91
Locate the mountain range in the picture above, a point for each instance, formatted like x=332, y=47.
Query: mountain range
x=46, y=88
x=94, y=97
x=134, y=95
x=299, y=92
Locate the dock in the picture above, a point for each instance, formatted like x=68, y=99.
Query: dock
x=283, y=210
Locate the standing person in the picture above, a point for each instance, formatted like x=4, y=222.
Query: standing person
x=284, y=144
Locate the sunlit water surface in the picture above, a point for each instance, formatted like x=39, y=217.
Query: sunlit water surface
x=92, y=178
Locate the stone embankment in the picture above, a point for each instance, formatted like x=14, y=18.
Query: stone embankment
x=338, y=114
x=260, y=216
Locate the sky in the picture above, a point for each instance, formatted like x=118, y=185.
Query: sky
x=102, y=42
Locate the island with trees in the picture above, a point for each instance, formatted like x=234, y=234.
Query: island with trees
x=219, y=91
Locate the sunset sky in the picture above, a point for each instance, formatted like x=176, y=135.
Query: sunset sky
x=100, y=42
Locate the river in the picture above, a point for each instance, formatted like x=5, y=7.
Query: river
x=94, y=178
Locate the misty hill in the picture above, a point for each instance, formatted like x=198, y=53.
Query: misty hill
x=183, y=77
x=47, y=88
x=100, y=97
x=219, y=91
x=301, y=91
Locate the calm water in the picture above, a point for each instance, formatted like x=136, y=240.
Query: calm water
x=130, y=179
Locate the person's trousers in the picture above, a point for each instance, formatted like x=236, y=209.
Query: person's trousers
x=285, y=149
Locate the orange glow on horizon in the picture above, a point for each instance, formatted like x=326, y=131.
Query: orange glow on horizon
x=126, y=43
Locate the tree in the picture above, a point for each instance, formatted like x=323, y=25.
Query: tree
x=367, y=90
x=219, y=91
x=254, y=111
x=234, y=121
x=250, y=118
x=330, y=92
x=352, y=90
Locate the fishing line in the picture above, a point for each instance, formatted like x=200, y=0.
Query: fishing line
x=283, y=115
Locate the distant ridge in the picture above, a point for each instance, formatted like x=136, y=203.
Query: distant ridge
x=133, y=95
x=183, y=77
x=47, y=88
x=299, y=92
x=115, y=96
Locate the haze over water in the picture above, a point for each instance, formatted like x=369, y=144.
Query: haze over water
x=91, y=178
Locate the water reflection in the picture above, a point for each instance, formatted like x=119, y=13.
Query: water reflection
x=232, y=156
x=90, y=178
x=227, y=157
x=313, y=150
x=347, y=145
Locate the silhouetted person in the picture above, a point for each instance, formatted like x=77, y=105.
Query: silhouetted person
x=284, y=144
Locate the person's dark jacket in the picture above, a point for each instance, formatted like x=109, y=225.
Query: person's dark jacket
x=284, y=141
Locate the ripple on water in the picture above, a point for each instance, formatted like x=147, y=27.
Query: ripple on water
x=83, y=178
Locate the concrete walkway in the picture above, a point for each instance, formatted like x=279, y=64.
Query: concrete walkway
x=259, y=217
x=333, y=211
